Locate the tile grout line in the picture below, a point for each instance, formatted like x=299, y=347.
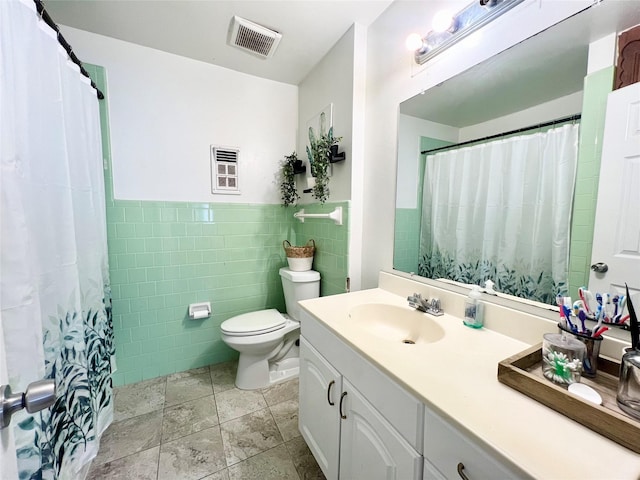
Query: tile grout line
x=219, y=424
x=164, y=401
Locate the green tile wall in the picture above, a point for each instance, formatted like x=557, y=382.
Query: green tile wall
x=406, y=245
x=165, y=255
x=332, y=244
x=596, y=88
x=407, y=239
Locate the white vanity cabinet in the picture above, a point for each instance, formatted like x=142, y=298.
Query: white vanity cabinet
x=369, y=446
x=319, y=417
x=357, y=422
x=450, y=454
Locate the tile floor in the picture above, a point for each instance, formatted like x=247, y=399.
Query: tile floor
x=197, y=425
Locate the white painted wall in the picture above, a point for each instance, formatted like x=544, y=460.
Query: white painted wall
x=340, y=79
x=602, y=53
x=390, y=81
x=410, y=129
x=552, y=110
x=356, y=207
x=330, y=81
x=167, y=110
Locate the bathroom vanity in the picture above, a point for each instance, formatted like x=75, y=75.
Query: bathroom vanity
x=418, y=398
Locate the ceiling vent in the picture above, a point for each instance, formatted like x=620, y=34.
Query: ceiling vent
x=253, y=38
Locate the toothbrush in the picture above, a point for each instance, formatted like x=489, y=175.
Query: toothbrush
x=566, y=307
x=599, y=316
x=582, y=292
x=600, y=331
x=577, y=306
x=582, y=316
x=578, y=312
x=593, y=304
x=607, y=307
x=567, y=315
x=560, y=303
x=599, y=308
x=622, y=301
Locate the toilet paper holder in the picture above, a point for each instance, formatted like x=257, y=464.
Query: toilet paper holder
x=198, y=311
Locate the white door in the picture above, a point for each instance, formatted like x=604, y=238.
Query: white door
x=318, y=419
x=616, y=241
x=370, y=448
x=8, y=461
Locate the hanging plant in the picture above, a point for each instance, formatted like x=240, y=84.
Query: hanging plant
x=288, y=188
x=319, y=154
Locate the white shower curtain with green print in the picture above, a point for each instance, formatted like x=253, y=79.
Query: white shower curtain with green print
x=55, y=301
x=501, y=211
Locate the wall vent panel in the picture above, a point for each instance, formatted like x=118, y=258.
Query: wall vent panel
x=225, y=173
x=253, y=38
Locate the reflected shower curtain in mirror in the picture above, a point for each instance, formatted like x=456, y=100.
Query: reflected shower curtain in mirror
x=55, y=300
x=501, y=210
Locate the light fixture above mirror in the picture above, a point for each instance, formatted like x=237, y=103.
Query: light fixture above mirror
x=458, y=26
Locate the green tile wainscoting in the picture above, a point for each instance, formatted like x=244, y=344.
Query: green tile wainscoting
x=406, y=247
x=332, y=244
x=165, y=255
x=408, y=221
x=597, y=87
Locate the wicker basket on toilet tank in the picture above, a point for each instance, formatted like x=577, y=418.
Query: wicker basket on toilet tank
x=300, y=259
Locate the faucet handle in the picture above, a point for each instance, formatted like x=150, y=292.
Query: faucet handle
x=434, y=308
x=416, y=301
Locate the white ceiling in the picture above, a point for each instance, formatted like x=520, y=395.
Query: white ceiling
x=547, y=66
x=198, y=29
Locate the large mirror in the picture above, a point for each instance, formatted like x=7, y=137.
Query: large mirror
x=536, y=82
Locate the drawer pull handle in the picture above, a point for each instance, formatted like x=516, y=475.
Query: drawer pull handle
x=463, y=475
x=331, y=383
x=342, y=415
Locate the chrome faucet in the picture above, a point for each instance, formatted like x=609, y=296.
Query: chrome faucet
x=424, y=305
x=416, y=301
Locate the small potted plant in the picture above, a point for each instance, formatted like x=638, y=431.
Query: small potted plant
x=289, y=167
x=319, y=154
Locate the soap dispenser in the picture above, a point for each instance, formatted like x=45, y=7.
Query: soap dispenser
x=473, y=309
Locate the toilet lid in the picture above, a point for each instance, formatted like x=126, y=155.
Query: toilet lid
x=254, y=323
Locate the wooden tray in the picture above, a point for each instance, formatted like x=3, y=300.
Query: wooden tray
x=523, y=372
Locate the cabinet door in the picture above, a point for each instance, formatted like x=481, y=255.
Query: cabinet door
x=370, y=447
x=455, y=454
x=318, y=417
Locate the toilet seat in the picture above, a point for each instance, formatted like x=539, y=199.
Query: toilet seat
x=254, y=323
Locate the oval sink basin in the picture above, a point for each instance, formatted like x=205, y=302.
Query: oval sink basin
x=396, y=324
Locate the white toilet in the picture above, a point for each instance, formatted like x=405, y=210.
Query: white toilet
x=267, y=339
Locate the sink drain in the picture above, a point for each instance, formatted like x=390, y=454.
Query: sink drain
x=408, y=342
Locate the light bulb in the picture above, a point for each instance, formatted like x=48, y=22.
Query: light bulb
x=442, y=21
x=413, y=42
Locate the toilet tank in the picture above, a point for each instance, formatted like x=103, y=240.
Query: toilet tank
x=299, y=286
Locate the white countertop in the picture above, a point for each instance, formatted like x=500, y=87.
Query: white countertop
x=457, y=376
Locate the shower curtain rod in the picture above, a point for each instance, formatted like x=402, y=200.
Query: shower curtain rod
x=49, y=21
x=498, y=135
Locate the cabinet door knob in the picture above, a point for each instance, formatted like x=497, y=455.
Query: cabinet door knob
x=460, y=469
x=331, y=383
x=342, y=415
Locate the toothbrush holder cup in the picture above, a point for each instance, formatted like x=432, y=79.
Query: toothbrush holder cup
x=592, y=344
